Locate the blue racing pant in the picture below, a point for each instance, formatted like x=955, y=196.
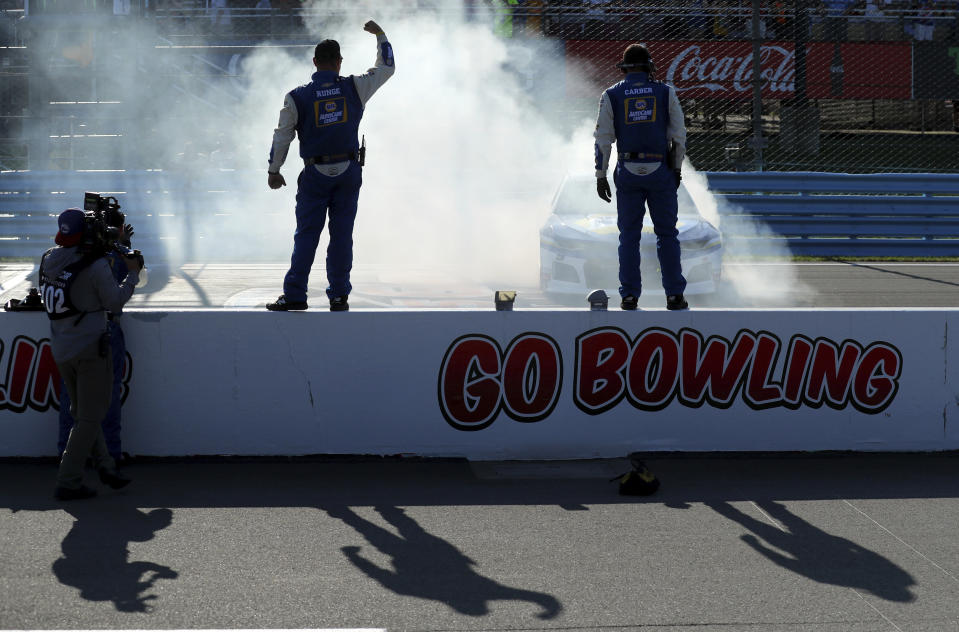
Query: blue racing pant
x=111, y=422
x=318, y=195
x=633, y=192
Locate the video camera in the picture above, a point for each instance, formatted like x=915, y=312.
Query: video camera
x=104, y=230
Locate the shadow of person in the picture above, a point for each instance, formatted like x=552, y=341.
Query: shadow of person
x=158, y=275
x=813, y=553
x=429, y=567
x=96, y=558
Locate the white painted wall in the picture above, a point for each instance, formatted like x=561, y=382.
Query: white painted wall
x=367, y=382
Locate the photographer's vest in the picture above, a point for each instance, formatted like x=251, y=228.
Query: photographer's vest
x=328, y=113
x=56, y=291
x=640, y=117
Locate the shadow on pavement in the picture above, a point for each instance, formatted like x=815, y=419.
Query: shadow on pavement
x=811, y=552
x=96, y=554
x=406, y=482
x=429, y=567
x=899, y=273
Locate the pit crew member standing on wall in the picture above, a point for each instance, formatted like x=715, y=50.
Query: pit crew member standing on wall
x=79, y=289
x=645, y=120
x=111, y=422
x=325, y=114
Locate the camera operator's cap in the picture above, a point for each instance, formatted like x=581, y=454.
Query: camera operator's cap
x=327, y=50
x=636, y=56
x=71, y=222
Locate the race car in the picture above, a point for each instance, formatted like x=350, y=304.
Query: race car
x=578, y=245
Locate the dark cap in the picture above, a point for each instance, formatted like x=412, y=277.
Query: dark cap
x=327, y=50
x=70, y=223
x=635, y=57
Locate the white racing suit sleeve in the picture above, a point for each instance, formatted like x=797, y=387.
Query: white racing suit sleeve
x=677, y=126
x=374, y=78
x=605, y=135
x=283, y=135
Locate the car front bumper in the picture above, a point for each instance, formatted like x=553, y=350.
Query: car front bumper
x=564, y=272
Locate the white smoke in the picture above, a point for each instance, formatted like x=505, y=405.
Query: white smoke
x=463, y=159
x=465, y=148
x=749, y=244
x=461, y=163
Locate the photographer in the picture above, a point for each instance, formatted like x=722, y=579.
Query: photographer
x=79, y=289
x=114, y=220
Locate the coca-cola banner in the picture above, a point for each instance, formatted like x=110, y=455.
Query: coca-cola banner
x=937, y=70
x=724, y=69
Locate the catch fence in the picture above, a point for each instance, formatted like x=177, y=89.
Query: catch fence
x=842, y=85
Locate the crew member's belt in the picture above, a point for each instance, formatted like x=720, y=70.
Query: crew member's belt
x=325, y=160
x=638, y=155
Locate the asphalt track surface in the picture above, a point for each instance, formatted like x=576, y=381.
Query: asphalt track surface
x=746, y=285
x=845, y=542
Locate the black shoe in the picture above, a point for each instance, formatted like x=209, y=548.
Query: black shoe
x=70, y=493
x=113, y=478
x=283, y=305
x=676, y=302
x=339, y=304
x=629, y=302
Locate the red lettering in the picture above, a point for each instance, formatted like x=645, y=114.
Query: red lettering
x=532, y=377
x=18, y=373
x=714, y=374
x=830, y=374
x=800, y=349
x=469, y=383
x=760, y=393
x=877, y=378
x=601, y=357
x=477, y=380
x=653, y=371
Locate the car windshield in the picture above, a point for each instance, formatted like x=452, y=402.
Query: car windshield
x=577, y=196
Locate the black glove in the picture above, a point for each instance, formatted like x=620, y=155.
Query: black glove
x=603, y=190
x=275, y=180
x=679, y=176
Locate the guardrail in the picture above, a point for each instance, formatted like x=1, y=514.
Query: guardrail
x=165, y=207
x=816, y=214
x=838, y=214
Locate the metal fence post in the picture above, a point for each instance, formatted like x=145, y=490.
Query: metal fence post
x=758, y=142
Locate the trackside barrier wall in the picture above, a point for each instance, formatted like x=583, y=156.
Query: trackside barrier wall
x=527, y=384
x=817, y=214
x=840, y=214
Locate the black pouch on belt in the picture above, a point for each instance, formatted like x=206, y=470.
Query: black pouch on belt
x=103, y=344
x=671, y=157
